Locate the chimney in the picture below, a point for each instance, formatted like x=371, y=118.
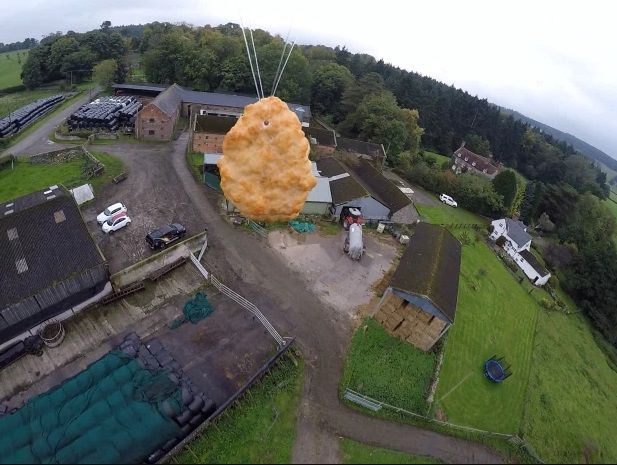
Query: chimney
x=462, y=144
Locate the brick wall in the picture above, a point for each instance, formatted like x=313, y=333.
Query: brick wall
x=408, y=322
x=154, y=124
x=208, y=143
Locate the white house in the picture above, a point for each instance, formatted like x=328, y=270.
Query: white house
x=518, y=245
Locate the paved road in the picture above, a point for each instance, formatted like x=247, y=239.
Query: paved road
x=248, y=265
x=38, y=140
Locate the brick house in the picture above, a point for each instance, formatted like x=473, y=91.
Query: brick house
x=420, y=303
x=466, y=160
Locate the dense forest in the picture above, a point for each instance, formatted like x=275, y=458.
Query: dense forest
x=586, y=149
x=553, y=187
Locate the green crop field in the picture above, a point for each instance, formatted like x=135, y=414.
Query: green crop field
x=353, y=452
x=443, y=214
x=10, y=68
x=261, y=428
x=387, y=369
x=26, y=178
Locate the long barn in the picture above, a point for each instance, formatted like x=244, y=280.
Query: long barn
x=50, y=266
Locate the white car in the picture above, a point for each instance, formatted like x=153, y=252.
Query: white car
x=118, y=221
x=448, y=200
x=110, y=211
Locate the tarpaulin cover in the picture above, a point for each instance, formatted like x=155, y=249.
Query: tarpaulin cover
x=108, y=413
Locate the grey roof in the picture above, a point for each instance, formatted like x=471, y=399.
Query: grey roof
x=380, y=187
x=142, y=87
x=517, y=231
x=430, y=268
x=534, y=262
x=345, y=189
x=169, y=100
x=212, y=124
x=321, y=192
x=330, y=166
x=43, y=243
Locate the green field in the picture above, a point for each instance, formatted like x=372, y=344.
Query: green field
x=353, y=452
x=261, y=428
x=443, y=214
x=10, y=68
x=495, y=315
x=571, y=405
x=388, y=369
x=26, y=178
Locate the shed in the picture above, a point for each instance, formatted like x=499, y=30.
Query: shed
x=49, y=263
x=157, y=120
x=420, y=303
x=319, y=198
x=401, y=208
x=348, y=192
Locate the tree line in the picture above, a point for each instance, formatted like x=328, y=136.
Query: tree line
x=371, y=100
x=23, y=45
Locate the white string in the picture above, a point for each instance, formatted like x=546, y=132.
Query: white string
x=257, y=64
x=250, y=61
x=276, y=75
x=284, y=66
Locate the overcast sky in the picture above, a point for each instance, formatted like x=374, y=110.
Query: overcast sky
x=554, y=61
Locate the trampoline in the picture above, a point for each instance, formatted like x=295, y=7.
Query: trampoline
x=496, y=370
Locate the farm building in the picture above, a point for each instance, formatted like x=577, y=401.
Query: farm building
x=518, y=246
x=466, y=160
x=401, y=209
x=157, y=120
x=347, y=192
x=50, y=267
x=210, y=131
x=420, y=303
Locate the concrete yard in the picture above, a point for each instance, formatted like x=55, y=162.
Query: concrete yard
x=219, y=353
x=340, y=282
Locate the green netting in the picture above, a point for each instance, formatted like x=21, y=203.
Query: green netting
x=194, y=311
x=108, y=413
x=303, y=227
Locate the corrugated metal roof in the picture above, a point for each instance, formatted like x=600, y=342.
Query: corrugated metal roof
x=321, y=192
x=211, y=158
x=144, y=87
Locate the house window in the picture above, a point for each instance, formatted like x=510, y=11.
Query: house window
x=466, y=158
x=459, y=155
x=473, y=164
x=151, y=132
x=484, y=170
x=152, y=120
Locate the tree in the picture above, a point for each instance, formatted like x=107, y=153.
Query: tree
x=105, y=73
x=590, y=221
x=545, y=223
x=106, y=25
x=501, y=241
x=478, y=144
x=505, y=184
x=330, y=82
x=32, y=71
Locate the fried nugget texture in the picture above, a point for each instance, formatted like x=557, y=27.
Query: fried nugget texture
x=265, y=170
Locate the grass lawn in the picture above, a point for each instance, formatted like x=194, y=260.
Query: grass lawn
x=497, y=318
x=10, y=68
x=387, y=369
x=353, y=452
x=443, y=214
x=439, y=159
x=261, y=428
x=570, y=413
x=26, y=178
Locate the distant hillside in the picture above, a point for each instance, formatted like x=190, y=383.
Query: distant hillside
x=586, y=149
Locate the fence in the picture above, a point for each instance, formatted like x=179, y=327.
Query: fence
x=250, y=307
x=263, y=232
x=376, y=405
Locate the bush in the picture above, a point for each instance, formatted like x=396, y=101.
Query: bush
x=490, y=228
x=501, y=241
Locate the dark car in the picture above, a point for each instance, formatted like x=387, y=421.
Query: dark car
x=159, y=238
